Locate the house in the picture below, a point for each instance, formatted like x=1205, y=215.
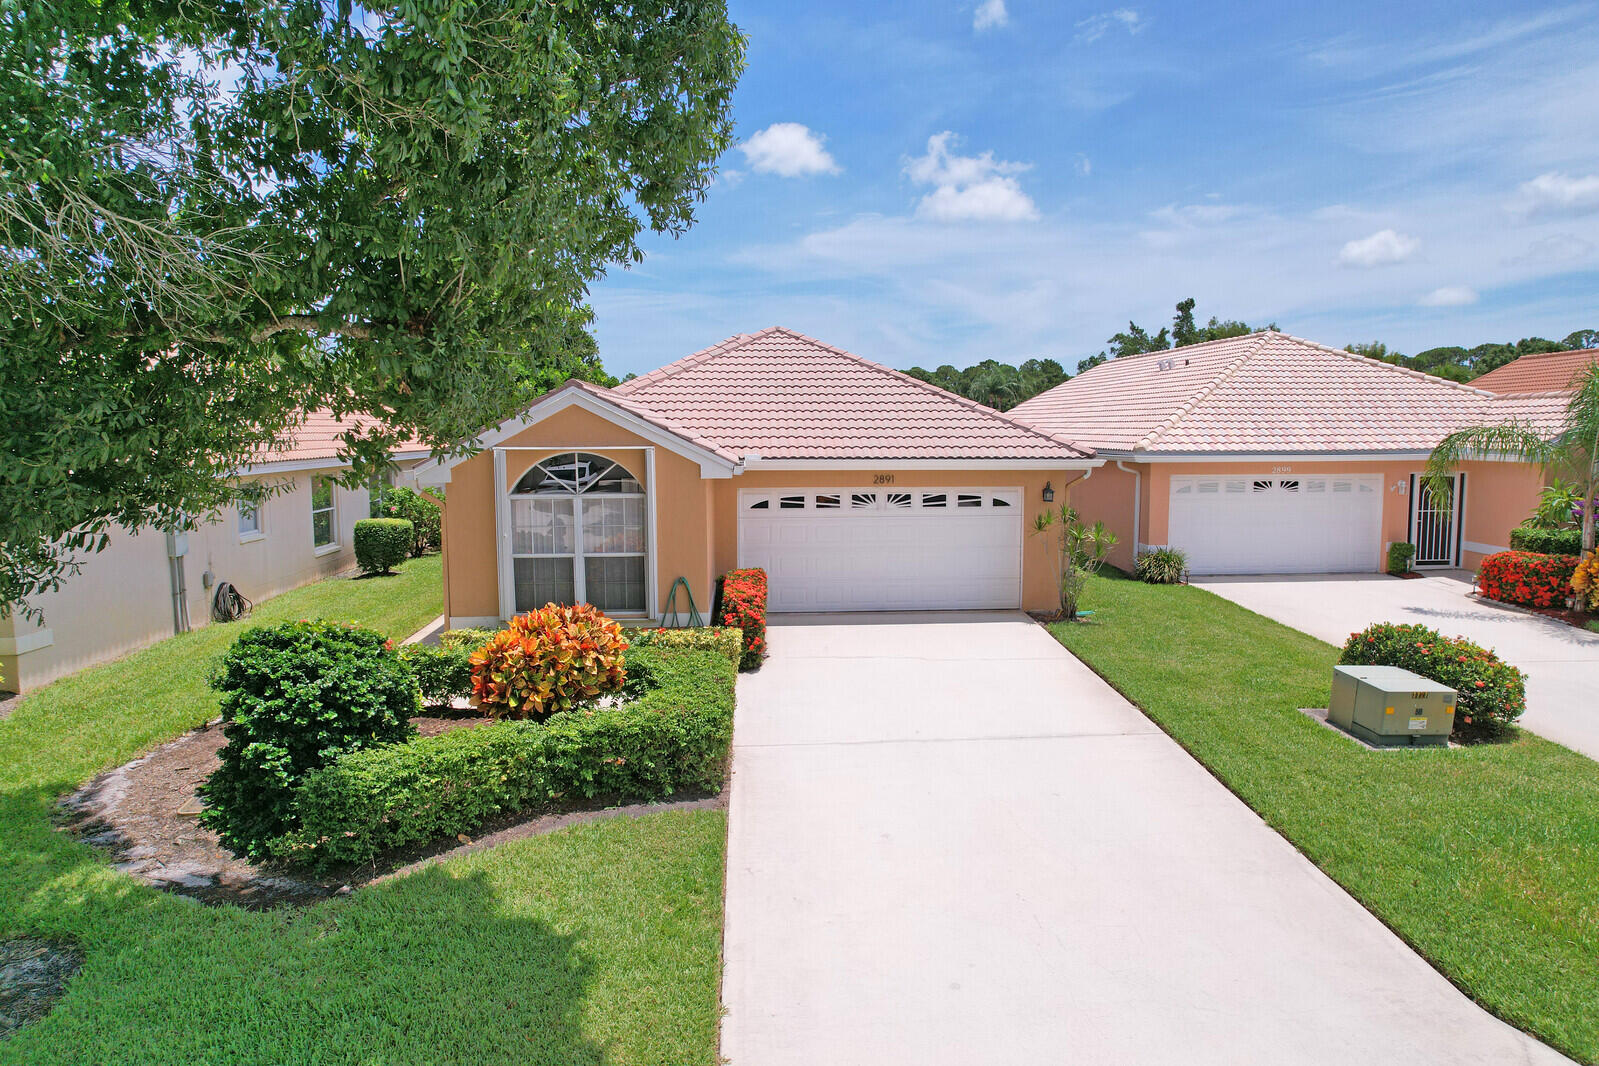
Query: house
x=854, y=486
x=137, y=591
x=1270, y=454
x=1542, y=372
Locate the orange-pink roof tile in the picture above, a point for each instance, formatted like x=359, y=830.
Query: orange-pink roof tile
x=1265, y=393
x=1544, y=372
x=779, y=394
x=316, y=437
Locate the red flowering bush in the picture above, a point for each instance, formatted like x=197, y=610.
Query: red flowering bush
x=743, y=604
x=1491, y=694
x=549, y=660
x=1527, y=579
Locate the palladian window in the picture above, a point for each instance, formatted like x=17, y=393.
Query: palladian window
x=577, y=535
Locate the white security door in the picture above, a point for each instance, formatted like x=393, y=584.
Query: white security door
x=1277, y=525
x=903, y=550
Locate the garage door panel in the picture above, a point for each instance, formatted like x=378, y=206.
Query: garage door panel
x=878, y=554
x=1280, y=524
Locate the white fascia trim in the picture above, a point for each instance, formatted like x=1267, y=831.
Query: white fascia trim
x=437, y=471
x=751, y=463
x=257, y=469
x=23, y=643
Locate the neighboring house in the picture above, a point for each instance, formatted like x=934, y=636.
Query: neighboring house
x=1269, y=454
x=1544, y=372
x=128, y=595
x=855, y=486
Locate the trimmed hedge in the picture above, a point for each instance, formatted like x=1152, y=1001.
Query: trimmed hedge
x=295, y=696
x=1491, y=693
x=673, y=739
x=741, y=602
x=469, y=639
x=381, y=544
x=1527, y=579
x=724, y=640
x=443, y=674
x=1546, y=541
x=1400, y=553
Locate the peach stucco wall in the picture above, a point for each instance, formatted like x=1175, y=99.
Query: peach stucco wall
x=1498, y=496
x=681, y=501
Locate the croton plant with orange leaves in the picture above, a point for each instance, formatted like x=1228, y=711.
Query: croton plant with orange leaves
x=549, y=660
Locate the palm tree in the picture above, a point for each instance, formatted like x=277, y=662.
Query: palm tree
x=1573, y=448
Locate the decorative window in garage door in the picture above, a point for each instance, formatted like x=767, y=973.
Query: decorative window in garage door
x=842, y=503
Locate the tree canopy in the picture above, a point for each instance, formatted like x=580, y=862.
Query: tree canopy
x=998, y=385
x=215, y=216
x=1463, y=364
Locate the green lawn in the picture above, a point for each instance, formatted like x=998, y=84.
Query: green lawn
x=599, y=943
x=1485, y=859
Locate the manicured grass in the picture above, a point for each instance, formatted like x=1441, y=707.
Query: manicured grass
x=599, y=943
x=1485, y=859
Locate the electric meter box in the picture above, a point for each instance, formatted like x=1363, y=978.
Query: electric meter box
x=1390, y=707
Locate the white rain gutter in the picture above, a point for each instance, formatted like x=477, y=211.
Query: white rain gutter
x=1138, y=500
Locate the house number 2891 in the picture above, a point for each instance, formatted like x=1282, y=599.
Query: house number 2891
x=882, y=479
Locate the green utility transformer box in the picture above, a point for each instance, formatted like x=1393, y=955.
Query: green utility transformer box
x=1390, y=707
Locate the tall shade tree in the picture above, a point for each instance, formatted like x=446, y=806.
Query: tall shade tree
x=215, y=215
x=1572, y=449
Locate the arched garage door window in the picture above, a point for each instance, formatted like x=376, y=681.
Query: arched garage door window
x=577, y=534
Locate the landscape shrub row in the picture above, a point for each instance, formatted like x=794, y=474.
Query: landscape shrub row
x=674, y=738
x=1491, y=693
x=442, y=674
x=742, y=604
x=1527, y=579
x=724, y=640
x=1546, y=541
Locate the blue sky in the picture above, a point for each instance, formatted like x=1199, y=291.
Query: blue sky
x=945, y=182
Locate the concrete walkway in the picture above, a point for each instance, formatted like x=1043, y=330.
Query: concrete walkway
x=951, y=843
x=1561, y=661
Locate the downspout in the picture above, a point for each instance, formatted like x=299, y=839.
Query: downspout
x=1138, y=500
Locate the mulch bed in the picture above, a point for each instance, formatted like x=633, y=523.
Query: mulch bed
x=146, y=816
x=33, y=975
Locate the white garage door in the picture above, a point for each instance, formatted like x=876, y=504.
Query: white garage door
x=906, y=550
x=1277, y=525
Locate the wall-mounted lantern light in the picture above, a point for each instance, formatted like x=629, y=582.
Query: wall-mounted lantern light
x=1049, y=493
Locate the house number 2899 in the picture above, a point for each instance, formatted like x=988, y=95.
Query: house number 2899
x=882, y=479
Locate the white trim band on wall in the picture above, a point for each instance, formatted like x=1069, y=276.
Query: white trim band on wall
x=1482, y=549
x=26, y=642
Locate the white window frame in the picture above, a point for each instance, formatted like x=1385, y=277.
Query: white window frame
x=504, y=505
x=249, y=536
x=331, y=510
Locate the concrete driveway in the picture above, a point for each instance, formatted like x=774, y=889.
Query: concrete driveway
x=1562, y=662
x=951, y=843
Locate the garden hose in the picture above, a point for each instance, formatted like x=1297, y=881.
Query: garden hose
x=228, y=604
x=670, y=618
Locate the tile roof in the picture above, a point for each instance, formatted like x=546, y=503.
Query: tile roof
x=316, y=438
x=1543, y=372
x=779, y=394
x=1264, y=392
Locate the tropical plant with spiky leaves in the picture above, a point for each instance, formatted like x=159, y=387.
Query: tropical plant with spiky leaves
x=1572, y=449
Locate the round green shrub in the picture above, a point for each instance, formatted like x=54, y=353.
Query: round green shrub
x=1399, y=555
x=295, y=697
x=1491, y=693
x=381, y=544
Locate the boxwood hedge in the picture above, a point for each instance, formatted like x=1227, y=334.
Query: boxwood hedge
x=674, y=738
x=1546, y=541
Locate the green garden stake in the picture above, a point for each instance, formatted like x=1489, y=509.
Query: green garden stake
x=670, y=618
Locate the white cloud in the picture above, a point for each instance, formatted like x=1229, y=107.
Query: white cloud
x=1195, y=214
x=1085, y=166
x=1558, y=194
x=1094, y=27
x=789, y=150
x=1450, y=296
x=990, y=13
x=1383, y=248
x=968, y=188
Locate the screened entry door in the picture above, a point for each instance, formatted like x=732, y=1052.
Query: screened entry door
x=577, y=536
x=1434, y=523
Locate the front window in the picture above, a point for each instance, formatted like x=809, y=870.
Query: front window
x=577, y=535
x=323, y=525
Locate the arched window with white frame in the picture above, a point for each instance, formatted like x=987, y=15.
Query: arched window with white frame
x=577, y=535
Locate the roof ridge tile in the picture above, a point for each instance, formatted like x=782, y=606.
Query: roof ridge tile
x=1148, y=440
